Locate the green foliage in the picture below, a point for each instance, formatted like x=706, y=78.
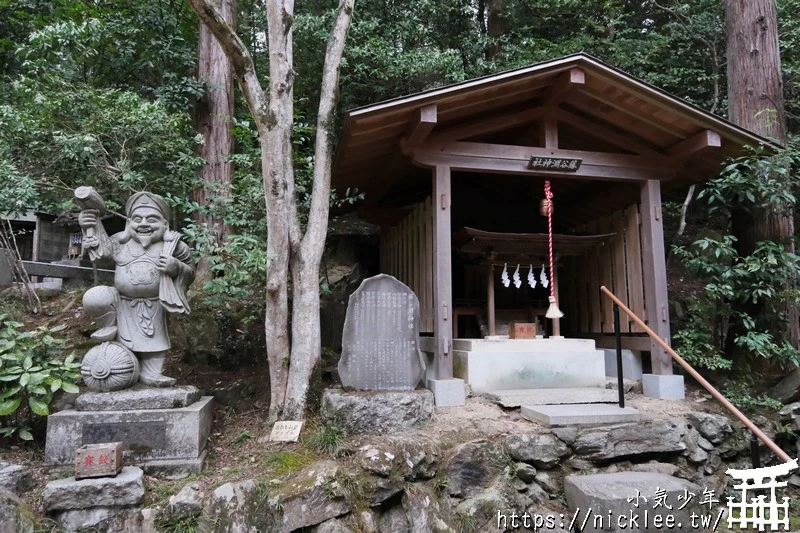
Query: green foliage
x=285, y=462
x=243, y=437
x=184, y=524
x=31, y=372
x=739, y=394
x=755, y=183
x=327, y=438
x=736, y=285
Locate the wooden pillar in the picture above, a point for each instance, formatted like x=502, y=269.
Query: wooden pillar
x=655, y=274
x=554, y=281
x=442, y=272
x=490, y=296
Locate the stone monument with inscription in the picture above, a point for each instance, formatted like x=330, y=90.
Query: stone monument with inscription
x=380, y=344
x=163, y=428
x=381, y=364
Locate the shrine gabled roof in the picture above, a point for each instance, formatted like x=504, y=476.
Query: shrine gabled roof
x=609, y=111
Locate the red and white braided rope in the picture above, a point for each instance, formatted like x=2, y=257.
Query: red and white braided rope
x=548, y=194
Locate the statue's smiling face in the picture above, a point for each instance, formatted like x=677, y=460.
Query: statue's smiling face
x=147, y=225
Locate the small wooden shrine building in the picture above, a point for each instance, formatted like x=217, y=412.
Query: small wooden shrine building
x=454, y=177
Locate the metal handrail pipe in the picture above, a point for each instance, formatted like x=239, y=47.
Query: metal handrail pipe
x=701, y=380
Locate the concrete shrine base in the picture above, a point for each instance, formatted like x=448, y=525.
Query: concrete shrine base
x=663, y=387
x=502, y=364
x=162, y=441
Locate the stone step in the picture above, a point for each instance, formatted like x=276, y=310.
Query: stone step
x=529, y=397
x=582, y=414
x=623, y=501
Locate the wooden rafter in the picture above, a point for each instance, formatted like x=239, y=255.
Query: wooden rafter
x=704, y=140
x=419, y=129
x=567, y=82
x=492, y=125
x=608, y=135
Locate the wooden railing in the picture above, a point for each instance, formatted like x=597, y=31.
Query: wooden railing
x=701, y=380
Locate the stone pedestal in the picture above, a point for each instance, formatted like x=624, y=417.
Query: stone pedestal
x=448, y=392
x=88, y=504
x=377, y=412
x=663, y=387
x=163, y=431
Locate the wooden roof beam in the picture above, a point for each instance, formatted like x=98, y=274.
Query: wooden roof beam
x=492, y=125
x=567, y=82
x=421, y=126
x=706, y=139
x=507, y=159
x=606, y=134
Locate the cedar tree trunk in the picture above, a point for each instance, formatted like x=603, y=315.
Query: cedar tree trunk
x=755, y=99
x=213, y=121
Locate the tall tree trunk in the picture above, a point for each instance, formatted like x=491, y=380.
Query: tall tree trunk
x=496, y=27
x=755, y=100
x=290, y=362
x=213, y=115
x=306, y=342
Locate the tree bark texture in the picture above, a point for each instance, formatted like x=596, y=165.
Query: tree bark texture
x=755, y=100
x=291, y=362
x=496, y=27
x=213, y=115
x=306, y=339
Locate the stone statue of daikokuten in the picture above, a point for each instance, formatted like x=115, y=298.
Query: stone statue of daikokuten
x=153, y=271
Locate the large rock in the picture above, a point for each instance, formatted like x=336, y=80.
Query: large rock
x=15, y=517
x=788, y=389
x=108, y=519
x=423, y=512
x=312, y=496
x=333, y=306
x=15, y=478
x=713, y=427
x=625, y=495
x=543, y=450
x=378, y=413
x=603, y=444
x=394, y=521
x=474, y=466
x=239, y=507
x=696, y=446
x=334, y=525
x=408, y=457
x=187, y=503
x=127, y=488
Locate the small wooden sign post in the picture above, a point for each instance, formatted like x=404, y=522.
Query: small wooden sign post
x=98, y=460
x=286, y=431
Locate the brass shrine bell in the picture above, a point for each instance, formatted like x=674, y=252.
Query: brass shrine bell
x=544, y=207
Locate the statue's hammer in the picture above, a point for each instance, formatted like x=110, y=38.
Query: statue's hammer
x=88, y=199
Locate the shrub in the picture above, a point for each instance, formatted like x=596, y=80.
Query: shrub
x=31, y=372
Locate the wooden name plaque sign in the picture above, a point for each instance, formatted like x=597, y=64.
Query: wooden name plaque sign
x=522, y=330
x=98, y=460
